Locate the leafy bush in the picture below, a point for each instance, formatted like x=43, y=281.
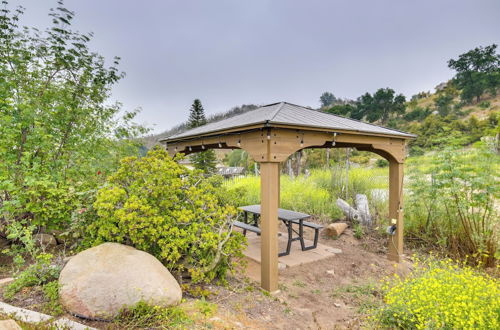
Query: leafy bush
x=59, y=132
x=441, y=295
x=451, y=203
x=39, y=273
x=161, y=207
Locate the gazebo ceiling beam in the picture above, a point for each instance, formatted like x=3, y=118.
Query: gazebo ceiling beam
x=277, y=144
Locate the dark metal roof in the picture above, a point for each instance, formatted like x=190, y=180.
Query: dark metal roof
x=284, y=113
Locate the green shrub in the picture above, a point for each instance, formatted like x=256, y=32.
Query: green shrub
x=358, y=231
x=451, y=203
x=51, y=294
x=381, y=162
x=163, y=208
x=441, y=295
x=39, y=273
x=484, y=105
x=143, y=316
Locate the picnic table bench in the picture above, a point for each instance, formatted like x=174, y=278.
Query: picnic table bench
x=289, y=218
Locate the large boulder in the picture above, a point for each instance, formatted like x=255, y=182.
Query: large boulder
x=97, y=283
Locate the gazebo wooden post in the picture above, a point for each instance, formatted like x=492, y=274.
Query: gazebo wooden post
x=269, y=202
x=396, y=209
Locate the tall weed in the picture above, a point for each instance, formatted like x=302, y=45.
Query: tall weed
x=453, y=203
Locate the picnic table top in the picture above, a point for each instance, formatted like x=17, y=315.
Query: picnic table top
x=283, y=214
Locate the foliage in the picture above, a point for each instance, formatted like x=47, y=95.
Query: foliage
x=51, y=294
x=58, y=131
x=358, y=231
x=346, y=109
x=478, y=71
x=380, y=106
x=204, y=160
x=436, y=132
x=441, y=295
x=443, y=103
x=161, y=207
x=451, y=203
x=240, y=158
x=326, y=99
x=39, y=273
x=143, y=316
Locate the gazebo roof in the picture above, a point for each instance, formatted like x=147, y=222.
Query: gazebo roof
x=288, y=115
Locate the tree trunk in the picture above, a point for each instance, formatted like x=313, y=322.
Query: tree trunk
x=361, y=213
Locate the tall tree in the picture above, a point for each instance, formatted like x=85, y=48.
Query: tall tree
x=205, y=160
x=478, y=71
x=59, y=133
x=327, y=99
x=379, y=106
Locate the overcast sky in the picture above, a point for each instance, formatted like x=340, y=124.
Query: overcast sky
x=231, y=52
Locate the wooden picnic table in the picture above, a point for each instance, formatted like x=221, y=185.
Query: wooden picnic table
x=289, y=218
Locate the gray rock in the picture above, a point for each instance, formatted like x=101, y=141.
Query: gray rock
x=97, y=283
x=45, y=240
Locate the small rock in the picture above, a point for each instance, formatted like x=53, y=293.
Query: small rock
x=281, y=265
x=336, y=305
x=9, y=325
x=336, y=229
x=4, y=243
x=331, y=272
x=335, y=250
x=44, y=240
x=5, y=281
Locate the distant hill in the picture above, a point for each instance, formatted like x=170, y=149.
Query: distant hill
x=150, y=141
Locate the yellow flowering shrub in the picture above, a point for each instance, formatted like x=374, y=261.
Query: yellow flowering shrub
x=177, y=215
x=441, y=295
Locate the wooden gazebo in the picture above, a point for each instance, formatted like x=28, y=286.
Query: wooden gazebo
x=271, y=133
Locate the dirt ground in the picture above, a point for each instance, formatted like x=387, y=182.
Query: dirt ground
x=333, y=293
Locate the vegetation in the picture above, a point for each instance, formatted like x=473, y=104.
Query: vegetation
x=441, y=295
x=451, y=203
x=39, y=273
x=316, y=193
x=204, y=160
x=59, y=134
x=143, y=315
x=187, y=226
x=478, y=71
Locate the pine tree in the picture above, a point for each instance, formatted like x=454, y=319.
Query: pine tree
x=205, y=160
x=197, y=115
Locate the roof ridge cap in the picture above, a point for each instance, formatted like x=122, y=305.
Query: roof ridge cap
x=277, y=110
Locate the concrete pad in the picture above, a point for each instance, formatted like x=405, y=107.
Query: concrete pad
x=295, y=258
